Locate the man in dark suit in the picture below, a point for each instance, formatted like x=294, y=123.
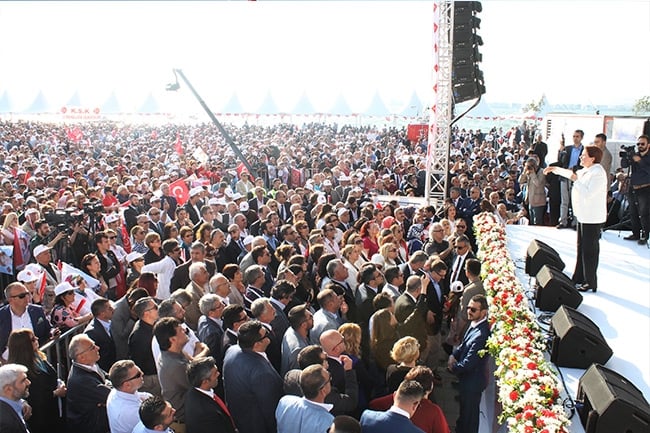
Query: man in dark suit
x=253, y=387
x=263, y=310
x=210, y=329
x=258, y=200
x=569, y=157
x=411, y=310
x=132, y=211
x=406, y=401
x=412, y=267
x=87, y=388
x=233, y=317
x=281, y=294
x=470, y=367
x=14, y=386
x=181, y=277
x=193, y=205
x=205, y=411
x=463, y=252
x=32, y=316
x=235, y=248
x=99, y=330
x=437, y=292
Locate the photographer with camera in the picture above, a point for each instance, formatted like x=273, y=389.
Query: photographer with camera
x=44, y=236
x=639, y=191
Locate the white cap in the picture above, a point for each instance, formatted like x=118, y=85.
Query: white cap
x=243, y=206
x=30, y=211
x=27, y=276
x=327, y=182
x=62, y=288
x=456, y=287
x=196, y=191
x=134, y=255
x=111, y=218
x=217, y=202
x=321, y=199
x=248, y=240
x=344, y=178
x=236, y=196
x=341, y=211
x=40, y=249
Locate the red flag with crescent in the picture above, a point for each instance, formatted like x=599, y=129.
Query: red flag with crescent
x=180, y=191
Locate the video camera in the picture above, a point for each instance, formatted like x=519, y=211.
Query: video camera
x=626, y=154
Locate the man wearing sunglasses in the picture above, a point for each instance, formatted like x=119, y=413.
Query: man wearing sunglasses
x=21, y=313
x=470, y=368
x=124, y=400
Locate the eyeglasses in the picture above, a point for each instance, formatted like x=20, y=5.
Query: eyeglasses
x=339, y=343
x=329, y=380
x=266, y=335
x=138, y=375
x=154, y=213
x=92, y=347
x=473, y=309
x=177, y=249
x=21, y=295
x=461, y=227
x=155, y=307
x=460, y=247
x=112, y=237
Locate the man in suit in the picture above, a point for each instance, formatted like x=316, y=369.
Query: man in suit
x=132, y=211
x=327, y=317
x=20, y=310
x=181, y=277
x=343, y=375
x=281, y=295
x=205, y=411
x=338, y=274
x=398, y=417
x=309, y=414
x=193, y=205
x=569, y=157
x=155, y=222
x=43, y=256
x=258, y=200
x=412, y=267
x=88, y=388
x=235, y=249
x=99, y=330
x=295, y=338
x=233, y=317
x=411, y=310
x=437, y=292
x=210, y=329
x=253, y=387
x=263, y=310
x=14, y=386
x=470, y=367
x=463, y=252
x=197, y=287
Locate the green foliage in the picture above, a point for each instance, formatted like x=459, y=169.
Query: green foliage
x=642, y=105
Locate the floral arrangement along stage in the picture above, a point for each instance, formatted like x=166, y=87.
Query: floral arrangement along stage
x=527, y=384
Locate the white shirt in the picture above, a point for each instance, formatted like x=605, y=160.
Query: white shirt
x=399, y=411
x=18, y=322
x=164, y=270
x=122, y=410
x=188, y=349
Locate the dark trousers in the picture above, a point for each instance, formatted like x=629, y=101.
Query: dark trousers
x=587, y=254
x=468, y=417
x=639, y=202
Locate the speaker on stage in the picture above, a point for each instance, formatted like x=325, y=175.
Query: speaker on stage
x=540, y=254
x=577, y=341
x=555, y=289
x=611, y=403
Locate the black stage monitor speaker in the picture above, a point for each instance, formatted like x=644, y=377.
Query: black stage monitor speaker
x=577, y=341
x=540, y=254
x=555, y=289
x=611, y=403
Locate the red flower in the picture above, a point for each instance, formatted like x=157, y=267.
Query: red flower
x=531, y=366
x=514, y=395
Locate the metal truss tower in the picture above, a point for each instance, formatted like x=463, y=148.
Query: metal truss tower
x=441, y=111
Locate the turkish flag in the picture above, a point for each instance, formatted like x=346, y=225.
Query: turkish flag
x=240, y=169
x=179, y=190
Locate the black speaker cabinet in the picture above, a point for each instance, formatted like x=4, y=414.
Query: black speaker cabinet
x=611, y=403
x=540, y=254
x=555, y=289
x=577, y=341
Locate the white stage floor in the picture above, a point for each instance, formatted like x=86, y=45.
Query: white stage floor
x=621, y=307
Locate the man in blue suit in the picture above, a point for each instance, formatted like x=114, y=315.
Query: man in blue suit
x=398, y=417
x=20, y=310
x=470, y=367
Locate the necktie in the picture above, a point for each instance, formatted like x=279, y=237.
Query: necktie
x=223, y=407
x=454, y=277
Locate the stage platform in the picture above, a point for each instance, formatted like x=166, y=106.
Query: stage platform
x=620, y=307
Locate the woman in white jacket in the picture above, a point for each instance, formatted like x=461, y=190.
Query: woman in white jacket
x=589, y=199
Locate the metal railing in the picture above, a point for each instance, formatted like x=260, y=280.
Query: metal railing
x=56, y=350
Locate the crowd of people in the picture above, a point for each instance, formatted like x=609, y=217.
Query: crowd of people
x=278, y=296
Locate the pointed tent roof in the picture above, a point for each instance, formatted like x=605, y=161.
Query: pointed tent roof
x=413, y=107
x=233, y=105
x=150, y=105
x=377, y=107
x=268, y=105
x=5, y=103
x=75, y=100
x=111, y=105
x=39, y=105
x=341, y=106
x=482, y=110
x=304, y=106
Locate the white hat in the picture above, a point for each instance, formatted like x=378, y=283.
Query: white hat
x=217, y=202
x=228, y=191
x=342, y=211
x=129, y=183
x=111, y=218
x=62, y=288
x=321, y=199
x=27, y=276
x=236, y=196
x=344, y=178
x=196, y=191
x=243, y=206
x=30, y=211
x=134, y=255
x=327, y=182
x=457, y=287
x=40, y=249
x=248, y=240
